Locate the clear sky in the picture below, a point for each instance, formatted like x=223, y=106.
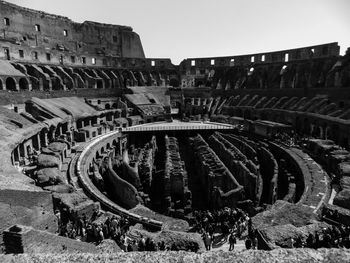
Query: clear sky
x=180, y=29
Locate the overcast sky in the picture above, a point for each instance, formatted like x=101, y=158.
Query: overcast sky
x=179, y=29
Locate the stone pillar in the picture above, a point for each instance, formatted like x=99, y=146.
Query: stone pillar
x=45, y=140
x=16, y=154
x=41, y=84
x=312, y=127
x=50, y=85
x=60, y=130
x=36, y=142
x=321, y=133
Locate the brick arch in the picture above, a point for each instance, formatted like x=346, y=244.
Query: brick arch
x=23, y=84
x=102, y=150
x=11, y=84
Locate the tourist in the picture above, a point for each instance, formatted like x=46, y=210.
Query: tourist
x=248, y=243
x=142, y=244
x=232, y=241
x=207, y=241
x=161, y=245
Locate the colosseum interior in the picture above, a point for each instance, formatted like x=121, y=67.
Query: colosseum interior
x=105, y=151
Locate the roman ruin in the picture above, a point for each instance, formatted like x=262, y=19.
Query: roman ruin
x=105, y=152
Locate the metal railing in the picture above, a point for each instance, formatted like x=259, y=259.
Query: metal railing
x=178, y=128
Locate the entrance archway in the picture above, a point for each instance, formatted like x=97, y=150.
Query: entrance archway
x=10, y=84
x=23, y=84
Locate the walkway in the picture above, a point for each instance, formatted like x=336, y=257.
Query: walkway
x=177, y=125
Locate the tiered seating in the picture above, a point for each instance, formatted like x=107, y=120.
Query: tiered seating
x=337, y=163
x=61, y=77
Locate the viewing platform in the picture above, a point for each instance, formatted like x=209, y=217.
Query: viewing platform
x=177, y=125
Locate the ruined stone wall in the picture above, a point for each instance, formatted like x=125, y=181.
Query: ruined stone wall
x=294, y=167
x=145, y=167
x=222, y=187
x=303, y=67
x=175, y=175
x=31, y=208
x=131, y=174
x=124, y=192
x=245, y=148
x=35, y=31
x=297, y=54
x=235, y=161
x=22, y=239
x=269, y=174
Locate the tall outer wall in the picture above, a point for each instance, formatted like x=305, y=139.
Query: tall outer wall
x=31, y=30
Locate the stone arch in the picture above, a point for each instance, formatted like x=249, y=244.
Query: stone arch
x=11, y=84
x=345, y=142
x=298, y=124
x=107, y=106
x=102, y=150
x=126, y=78
x=116, y=148
x=99, y=84
x=1, y=84
x=239, y=112
x=263, y=115
x=317, y=131
x=199, y=83
x=174, y=82
x=306, y=126
x=29, y=150
x=327, y=132
x=43, y=136
x=58, y=130
x=335, y=133
x=247, y=114
x=23, y=84
x=51, y=133
x=108, y=146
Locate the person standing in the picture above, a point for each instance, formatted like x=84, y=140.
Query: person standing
x=232, y=241
x=207, y=241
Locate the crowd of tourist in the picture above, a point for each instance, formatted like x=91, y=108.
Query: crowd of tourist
x=113, y=227
x=331, y=237
x=92, y=230
x=289, y=139
x=227, y=223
